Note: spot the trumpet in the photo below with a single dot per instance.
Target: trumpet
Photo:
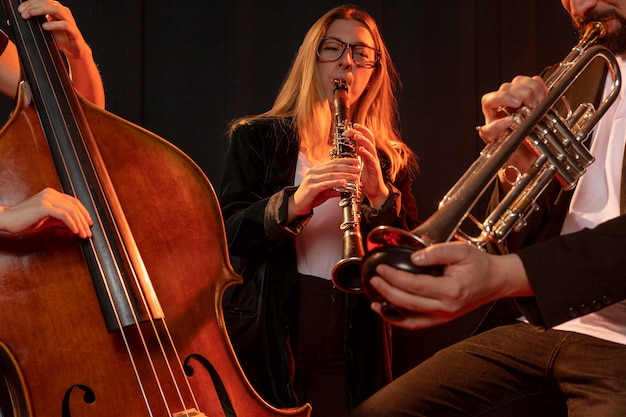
(346, 274)
(555, 139)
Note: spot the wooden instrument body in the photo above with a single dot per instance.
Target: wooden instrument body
(55, 345)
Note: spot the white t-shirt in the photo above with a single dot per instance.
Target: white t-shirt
(319, 245)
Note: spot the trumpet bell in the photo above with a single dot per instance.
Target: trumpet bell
(399, 257)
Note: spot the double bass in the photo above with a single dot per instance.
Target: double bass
(128, 322)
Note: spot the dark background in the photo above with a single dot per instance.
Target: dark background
(184, 69)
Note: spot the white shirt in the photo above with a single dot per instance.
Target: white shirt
(319, 245)
(596, 200)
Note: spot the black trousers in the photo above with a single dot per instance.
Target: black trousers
(511, 371)
(319, 349)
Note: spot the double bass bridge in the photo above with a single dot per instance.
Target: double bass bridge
(189, 413)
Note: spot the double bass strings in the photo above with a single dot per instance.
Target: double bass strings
(78, 183)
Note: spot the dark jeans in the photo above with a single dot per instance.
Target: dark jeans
(320, 358)
(511, 371)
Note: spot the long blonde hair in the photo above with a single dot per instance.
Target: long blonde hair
(302, 98)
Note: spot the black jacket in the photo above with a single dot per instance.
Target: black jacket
(261, 314)
(579, 273)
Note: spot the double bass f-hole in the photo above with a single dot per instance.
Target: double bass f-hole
(85, 328)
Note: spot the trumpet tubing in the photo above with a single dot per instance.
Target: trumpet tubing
(556, 140)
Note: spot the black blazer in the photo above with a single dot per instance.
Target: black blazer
(579, 273)
(261, 314)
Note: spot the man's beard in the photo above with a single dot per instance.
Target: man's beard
(615, 41)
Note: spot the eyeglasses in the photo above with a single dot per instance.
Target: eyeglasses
(331, 49)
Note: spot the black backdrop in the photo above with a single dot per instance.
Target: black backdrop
(184, 69)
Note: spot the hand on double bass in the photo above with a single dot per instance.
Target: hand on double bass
(48, 208)
(69, 39)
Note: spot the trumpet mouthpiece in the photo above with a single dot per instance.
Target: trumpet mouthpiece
(594, 30)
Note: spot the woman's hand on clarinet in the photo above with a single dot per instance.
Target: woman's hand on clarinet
(372, 180)
(320, 184)
(48, 208)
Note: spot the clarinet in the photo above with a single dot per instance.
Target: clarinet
(346, 274)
